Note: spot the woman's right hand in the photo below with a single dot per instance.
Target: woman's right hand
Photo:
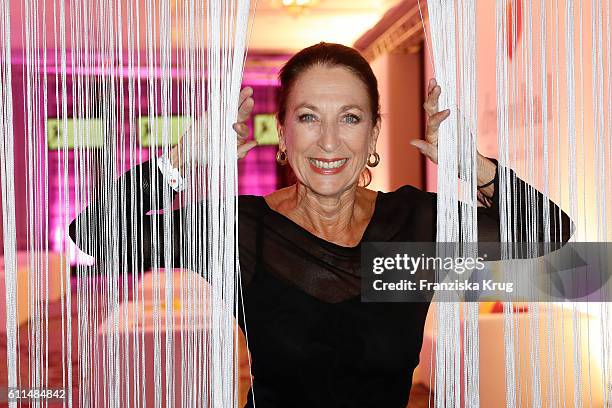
(189, 149)
(245, 108)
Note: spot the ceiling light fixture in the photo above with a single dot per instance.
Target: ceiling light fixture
(298, 7)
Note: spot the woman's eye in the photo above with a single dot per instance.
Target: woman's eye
(352, 119)
(307, 117)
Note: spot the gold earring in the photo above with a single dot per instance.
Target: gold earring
(281, 157)
(376, 159)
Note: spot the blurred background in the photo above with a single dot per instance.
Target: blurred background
(391, 36)
(388, 32)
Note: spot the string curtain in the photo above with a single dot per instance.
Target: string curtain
(107, 85)
(96, 77)
(553, 111)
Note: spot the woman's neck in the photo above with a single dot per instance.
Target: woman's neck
(325, 213)
(340, 219)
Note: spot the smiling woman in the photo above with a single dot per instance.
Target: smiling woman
(327, 131)
(328, 114)
(313, 342)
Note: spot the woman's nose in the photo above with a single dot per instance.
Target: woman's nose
(330, 138)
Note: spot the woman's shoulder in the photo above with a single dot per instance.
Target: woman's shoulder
(280, 200)
(403, 214)
(249, 205)
(407, 205)
(410, 195)
(249, 216)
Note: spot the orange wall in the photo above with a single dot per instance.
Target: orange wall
(400, 78)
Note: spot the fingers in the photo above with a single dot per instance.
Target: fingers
(245, 104)
(429, 146)
(245, 93)
(427, 149)
(435, 120)
(245, 108)
(242, 129)
(431, 104)
(245, 148)
(431, 85)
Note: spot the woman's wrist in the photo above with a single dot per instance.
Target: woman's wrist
(486, 174)
(170, 173)
(175, 159)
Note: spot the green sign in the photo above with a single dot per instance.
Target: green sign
(265, 132)
(84, 133)
(151, 130)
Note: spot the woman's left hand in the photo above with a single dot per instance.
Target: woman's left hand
(429, 146)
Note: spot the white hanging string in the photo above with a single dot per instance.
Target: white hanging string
(442, 23)
(606, 309)
(8, 195)
(543, 151)
(64, 195)
(97, 63)
(456, 156)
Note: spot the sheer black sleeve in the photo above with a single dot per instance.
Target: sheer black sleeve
(521, 220)
(526, 209)
(140, 240)
(131, 245)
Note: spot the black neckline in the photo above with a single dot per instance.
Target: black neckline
(324, 241)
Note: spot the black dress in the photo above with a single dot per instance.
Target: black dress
(312, 342)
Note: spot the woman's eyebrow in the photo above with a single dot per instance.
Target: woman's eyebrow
(314, 108)
(307, 106)
(349, 107)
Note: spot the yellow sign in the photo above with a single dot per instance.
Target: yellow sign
(265, 132)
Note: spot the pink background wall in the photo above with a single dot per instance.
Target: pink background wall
(257, 172)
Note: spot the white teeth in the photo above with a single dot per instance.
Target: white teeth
(328, 165)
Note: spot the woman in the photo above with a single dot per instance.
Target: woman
(313, 343)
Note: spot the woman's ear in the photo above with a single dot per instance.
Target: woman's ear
(281, 139)
(374, 136)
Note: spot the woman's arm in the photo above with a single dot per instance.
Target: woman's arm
(526, 220)
(526, 206)
(526, 211)
(138, 241)
(127, 216)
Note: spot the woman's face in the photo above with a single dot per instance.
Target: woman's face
(328, 132)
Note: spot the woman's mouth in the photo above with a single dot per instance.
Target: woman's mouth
(327, 166)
